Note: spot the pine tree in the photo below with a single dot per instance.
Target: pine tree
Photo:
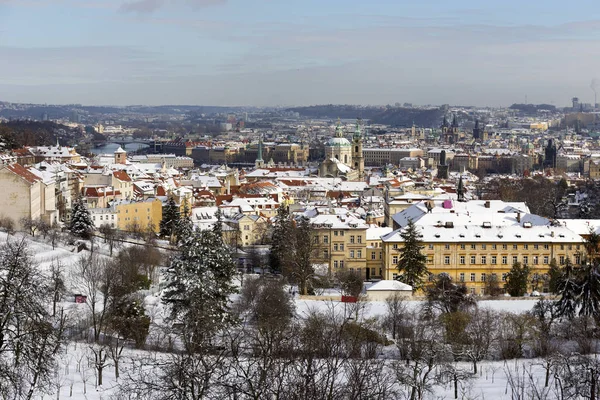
(412, 263)
(589, 291)
(554, 274)
(301, 243)
(184, 227)
(280, 240)
(170, 219)
(569, 290)
(81, 222)
(516, 280)
(199, 285)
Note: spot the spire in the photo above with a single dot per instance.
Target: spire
(357, 132)
(445, 122)
(259, 157)
(454, 121)
(338, 129)
(477, 123)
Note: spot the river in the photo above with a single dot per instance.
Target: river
(110, 148)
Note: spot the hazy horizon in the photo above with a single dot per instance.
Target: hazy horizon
(264, 53)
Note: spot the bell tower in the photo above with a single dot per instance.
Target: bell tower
(358, 160)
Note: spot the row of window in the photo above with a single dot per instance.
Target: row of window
(101, 217)
(493, 246)
(353, 239)
(494, 260)
(358, 254)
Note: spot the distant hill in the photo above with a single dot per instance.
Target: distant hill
(533, 108)
(394, 116)
(18, 133)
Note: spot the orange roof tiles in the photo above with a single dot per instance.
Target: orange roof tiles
(23, 172)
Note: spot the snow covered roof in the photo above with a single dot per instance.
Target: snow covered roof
(389, 285)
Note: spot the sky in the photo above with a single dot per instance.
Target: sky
(298, 52)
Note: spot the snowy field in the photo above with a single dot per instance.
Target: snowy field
(76, 379)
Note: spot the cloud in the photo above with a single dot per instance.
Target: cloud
(149, 6)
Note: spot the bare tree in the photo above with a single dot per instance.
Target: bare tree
(396, 314)
(91, 276)
(57, 281)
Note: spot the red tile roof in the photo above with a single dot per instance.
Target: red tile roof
(122, 176)
(23, 172)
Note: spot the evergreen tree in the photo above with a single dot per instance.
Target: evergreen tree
(589, 291)
(280, 240)
(170, 219)
(199, 283)
(516, 280)
(569, 290)
(412, 263)
(554, 274)
(81, 222)
(185, 227)
(301, 270)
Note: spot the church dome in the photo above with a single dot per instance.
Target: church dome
(338, 142)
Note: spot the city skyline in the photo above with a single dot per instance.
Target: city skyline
(264, 53)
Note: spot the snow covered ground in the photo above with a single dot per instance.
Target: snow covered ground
(76, 378)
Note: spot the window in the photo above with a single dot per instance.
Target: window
(515, 259)
(372, 255)
(577, 247)
(462, 246)
(483, 246)
(504, 277)
(395, 246)
(351, 253)
(473, 260)
(101, 218)
(316, 240)
(380, 255)
(335, 233)
(395, 260)
(472, 290)
(335, 264)
(446, 260)
(483, 277)
(351, 239)
(483, 259)
(447, 246)
(570, 247)
(526, 247)
(535, 260)
(494, 247)
(504, 260)
(430, 247)
(546, 246)
(359, 239)
(462, 260)
(341, 247)
(562, 260)
(429, 259)
(473, 246)
(341, 263)
(562, 246)
(472, 277)
(494, 276)
(341, 233)
(335, 247)
(504, 247)
(577, 259)
(359, 254)
(494, 260)
(525, 260)
(515, 247)
(325, 239)
(462, 276)
(325, 253)
(536, 247)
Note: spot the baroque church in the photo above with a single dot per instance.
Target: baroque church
(344, 159)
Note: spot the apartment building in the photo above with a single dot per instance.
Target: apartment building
(139, 215)
(474, 240)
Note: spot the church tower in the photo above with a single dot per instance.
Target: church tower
(358, 159)
(259, 163)
(120, 156)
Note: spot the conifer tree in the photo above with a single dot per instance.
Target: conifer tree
(184, 227)
(589, 291)
(81, 222)
(554, 274)
(412, 263)
(199, 285)
(517, 279)
(170, 219)
(280, 240)
(569, 290)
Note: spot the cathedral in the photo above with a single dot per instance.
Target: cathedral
(344, 159)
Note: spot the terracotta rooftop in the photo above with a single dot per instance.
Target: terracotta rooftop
(23, 172)
(122, 176)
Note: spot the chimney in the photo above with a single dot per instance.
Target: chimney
(487, 204)
(519, 217)
(552, 233)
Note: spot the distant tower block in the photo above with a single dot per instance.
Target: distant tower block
(120, 156)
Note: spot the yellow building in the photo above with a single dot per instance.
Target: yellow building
(474, 240)
(345, 242)
(252, 229)
(139, 215)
